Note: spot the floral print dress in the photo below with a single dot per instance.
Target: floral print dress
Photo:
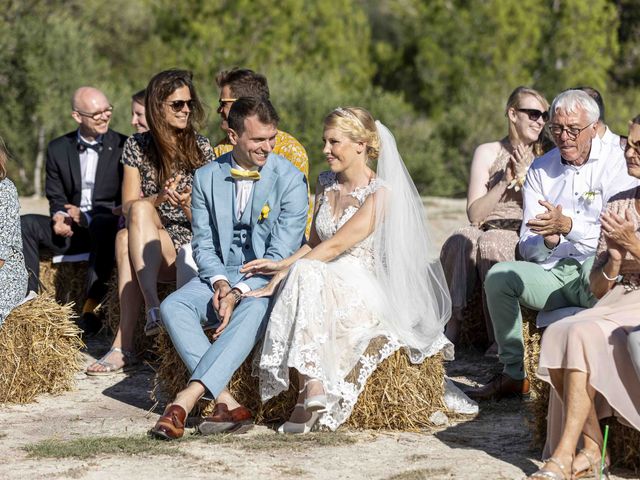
(13, 274)
(173, 219)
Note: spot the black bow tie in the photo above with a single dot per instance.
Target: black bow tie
(83, 146)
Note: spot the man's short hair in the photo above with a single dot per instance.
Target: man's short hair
(570, 101)
(595, 94)
(243, 82)
(246, 107)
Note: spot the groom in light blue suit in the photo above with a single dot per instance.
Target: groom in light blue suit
(248, 204)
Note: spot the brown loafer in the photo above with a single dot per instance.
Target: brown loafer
(170, 426)
(223, 420)
(500, 386)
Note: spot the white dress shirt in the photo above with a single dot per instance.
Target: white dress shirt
(582, 191)
(610, 137)
(243, 194)
(88, 167)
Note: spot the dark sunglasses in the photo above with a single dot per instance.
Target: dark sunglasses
(534, 114)
(178, 105)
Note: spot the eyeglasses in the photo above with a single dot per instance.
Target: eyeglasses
(572, 132)
(222, 101)
(534, 114)
(96, 115)
(178, 105)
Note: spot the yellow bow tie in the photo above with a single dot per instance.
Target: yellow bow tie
(245, 174)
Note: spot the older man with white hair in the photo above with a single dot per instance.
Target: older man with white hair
(564, 194)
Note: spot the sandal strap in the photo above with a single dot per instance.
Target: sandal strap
(127, 354)
(153, 314)
(308, 381)
(558, 464)
(590, 458)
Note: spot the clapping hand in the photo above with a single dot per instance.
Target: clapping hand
(550, 224)
(516, 169)
(619, 232)
(169, 193)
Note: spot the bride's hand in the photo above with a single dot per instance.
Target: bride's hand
(270, 287)
(262, 266)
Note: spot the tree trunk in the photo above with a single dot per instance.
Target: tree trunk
(37, 171)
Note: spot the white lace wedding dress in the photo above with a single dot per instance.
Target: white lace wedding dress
(327, 321)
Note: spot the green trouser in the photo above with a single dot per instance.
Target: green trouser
(511, 284)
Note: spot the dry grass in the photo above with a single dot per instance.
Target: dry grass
(66, 282)
(40, 350)
(90, 447)
(398, 395)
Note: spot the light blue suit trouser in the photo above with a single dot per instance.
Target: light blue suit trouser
(212, 364)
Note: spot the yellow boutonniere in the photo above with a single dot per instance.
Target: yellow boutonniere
(590, 196)
(264, 213)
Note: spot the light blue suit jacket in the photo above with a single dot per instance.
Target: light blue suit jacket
(281, 186)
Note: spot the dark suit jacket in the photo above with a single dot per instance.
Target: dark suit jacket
(64, 178)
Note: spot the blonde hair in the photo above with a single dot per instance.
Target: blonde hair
(514, 102)
(4, 158)
(357, 124)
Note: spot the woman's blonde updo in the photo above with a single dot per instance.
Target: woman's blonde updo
(357, 124)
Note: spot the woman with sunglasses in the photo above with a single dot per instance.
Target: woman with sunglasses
(494, 204)
(156, 199)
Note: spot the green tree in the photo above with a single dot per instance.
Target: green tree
(581, 45)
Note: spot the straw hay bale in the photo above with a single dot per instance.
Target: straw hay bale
(66, 282)
(398, 395)
(473, 329)
(624, 446)
(39, 350)
(539, 389)
(111, 308)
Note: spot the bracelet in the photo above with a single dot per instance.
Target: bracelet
(617, 278)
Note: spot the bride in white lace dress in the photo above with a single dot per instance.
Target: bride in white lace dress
(366, 284)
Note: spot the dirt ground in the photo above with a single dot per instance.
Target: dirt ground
(106, 410)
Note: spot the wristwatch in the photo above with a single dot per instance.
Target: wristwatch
(237, 294)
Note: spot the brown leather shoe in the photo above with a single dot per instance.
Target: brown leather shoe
(170, 426)
(500, 386)
(223, 420)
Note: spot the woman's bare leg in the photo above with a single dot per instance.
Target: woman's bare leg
(299, 414)
(151, 250)
(130, 299)
(577, 405)
(592, 439)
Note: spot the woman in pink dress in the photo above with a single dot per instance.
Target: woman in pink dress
(585, 357)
